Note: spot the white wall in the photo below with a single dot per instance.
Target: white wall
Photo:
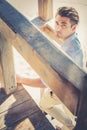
(84, 2)
(29, 8)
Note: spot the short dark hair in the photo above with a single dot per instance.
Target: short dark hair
(70, 13)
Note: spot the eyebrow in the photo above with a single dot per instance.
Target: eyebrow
(64, 23)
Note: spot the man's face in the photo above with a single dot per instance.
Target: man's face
(63, 27)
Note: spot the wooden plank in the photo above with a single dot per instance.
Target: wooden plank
(25, 125)
(55, 67)
(78, 70)
(7, 64)
(15, 114)
(57, 59)
(62, 89)
(1, 79)
(12, 117)
(3, 95)
(38, 122)
(82, 111)
(45, 9)
(14, 99)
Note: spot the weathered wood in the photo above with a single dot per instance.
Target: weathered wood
(7, 64)
(45, 9)
(17, 113)
(45, 72)
(3, 95)
(15, 99)
(25, 125)
(53, 65)
(82, 111)
(1, 76)
(40, 125)
(0, 73)
(59, 61)
(21, 109)
(55, 68)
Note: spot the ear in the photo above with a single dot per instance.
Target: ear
(74, 27)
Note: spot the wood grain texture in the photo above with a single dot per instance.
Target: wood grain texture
(45, 9)
(25, 125)
(7, 64)
(59, 61)
(19, 111)
(59, 72)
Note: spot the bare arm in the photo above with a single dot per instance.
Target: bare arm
(31, 82)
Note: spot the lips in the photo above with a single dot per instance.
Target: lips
(58, 34)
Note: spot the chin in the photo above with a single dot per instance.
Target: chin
(58, 36)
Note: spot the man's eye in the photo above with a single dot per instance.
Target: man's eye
(56, 22)
(64, 25)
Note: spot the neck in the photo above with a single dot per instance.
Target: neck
(68, 36)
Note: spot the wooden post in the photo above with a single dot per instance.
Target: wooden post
(7, 65)
(82, 110)
(58, 71)
(0, 69)
(45, 9)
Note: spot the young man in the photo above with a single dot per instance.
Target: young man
(66, 21)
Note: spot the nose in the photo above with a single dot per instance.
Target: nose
(58, 28)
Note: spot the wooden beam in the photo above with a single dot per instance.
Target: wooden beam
(45, 9)
(25, 125)
(82, 110)
(58, 85)
(62, 75)
(18, 111)
(1, 77)
(57, 59)
(7, 64)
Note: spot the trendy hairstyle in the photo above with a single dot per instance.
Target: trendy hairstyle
(70, 13)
